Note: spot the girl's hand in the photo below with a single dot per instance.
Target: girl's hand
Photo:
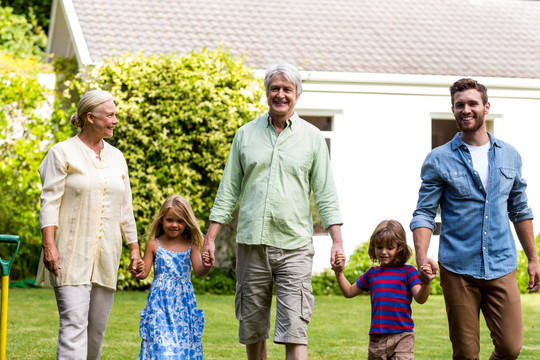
(140, 265)
(206, 259)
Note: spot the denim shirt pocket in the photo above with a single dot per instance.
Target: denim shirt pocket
(506, 180)
(458, 181)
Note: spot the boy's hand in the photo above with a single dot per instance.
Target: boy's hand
(427, 269)
(339, 260)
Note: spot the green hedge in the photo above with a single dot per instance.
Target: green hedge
(177, 119)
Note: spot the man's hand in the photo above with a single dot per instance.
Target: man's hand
(208, 250)
(427, 270)
(534, 277)
(337, 247)
(337, 258)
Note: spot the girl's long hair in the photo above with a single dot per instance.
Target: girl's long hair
(183, 210)
(390, 232)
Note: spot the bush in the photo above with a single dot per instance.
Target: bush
(177, 118)
(25, 135)
(19, 37)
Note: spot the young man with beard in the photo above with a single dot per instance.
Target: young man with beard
(476, 180)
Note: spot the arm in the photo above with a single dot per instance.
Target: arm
(326, 199)
(148, 259)
(225, 201)
(197, 262)
(421, 292)
(422, 238)
(53, 173)
(525, 234)
(209, 246)
(51, 259)
(346, 288)
(128, 226)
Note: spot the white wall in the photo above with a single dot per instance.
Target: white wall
(382, 133)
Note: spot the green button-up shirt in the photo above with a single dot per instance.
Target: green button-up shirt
(274, 176)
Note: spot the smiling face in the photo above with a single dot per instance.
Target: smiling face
(470, 111)
(103, 119)
(281, 96)
(173, 226)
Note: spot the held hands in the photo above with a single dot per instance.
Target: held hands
(140, 265)
(339, 263)
(139, 269)
(136, 266)
(426, 268)
(427, 271)
(207, 262)
(208, 253)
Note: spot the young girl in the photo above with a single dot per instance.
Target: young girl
(171, 325)
(392, 286)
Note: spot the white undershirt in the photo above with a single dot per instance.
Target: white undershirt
(480, 161)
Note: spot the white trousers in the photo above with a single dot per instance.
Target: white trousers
(84, 311)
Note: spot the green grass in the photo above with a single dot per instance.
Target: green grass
(338, 328)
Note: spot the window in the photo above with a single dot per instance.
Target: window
(325, 124)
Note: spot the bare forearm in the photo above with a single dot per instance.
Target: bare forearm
(47, 235)
(423, 294)
(335, 234)
(421, 238)
(525, 234)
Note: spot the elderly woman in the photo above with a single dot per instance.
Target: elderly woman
(85, 210)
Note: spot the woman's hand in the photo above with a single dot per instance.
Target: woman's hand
(51, 258)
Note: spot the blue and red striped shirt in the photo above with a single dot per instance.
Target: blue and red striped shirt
(391, 297)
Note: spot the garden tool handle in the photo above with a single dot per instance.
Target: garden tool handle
(6, 264)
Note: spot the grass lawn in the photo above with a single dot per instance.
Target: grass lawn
(338, 328)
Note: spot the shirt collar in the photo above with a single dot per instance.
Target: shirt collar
(457, 142)
(290, 122)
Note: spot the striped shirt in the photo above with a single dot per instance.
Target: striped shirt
(391, 297)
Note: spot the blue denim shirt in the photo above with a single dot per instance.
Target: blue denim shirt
(475, 238)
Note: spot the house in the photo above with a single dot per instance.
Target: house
(376, 76)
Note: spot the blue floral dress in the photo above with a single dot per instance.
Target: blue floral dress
(171, 325)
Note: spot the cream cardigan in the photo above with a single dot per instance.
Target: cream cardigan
(89, 202)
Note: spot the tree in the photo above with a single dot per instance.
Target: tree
(23, 110)
(20, 37)
(36, 11)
